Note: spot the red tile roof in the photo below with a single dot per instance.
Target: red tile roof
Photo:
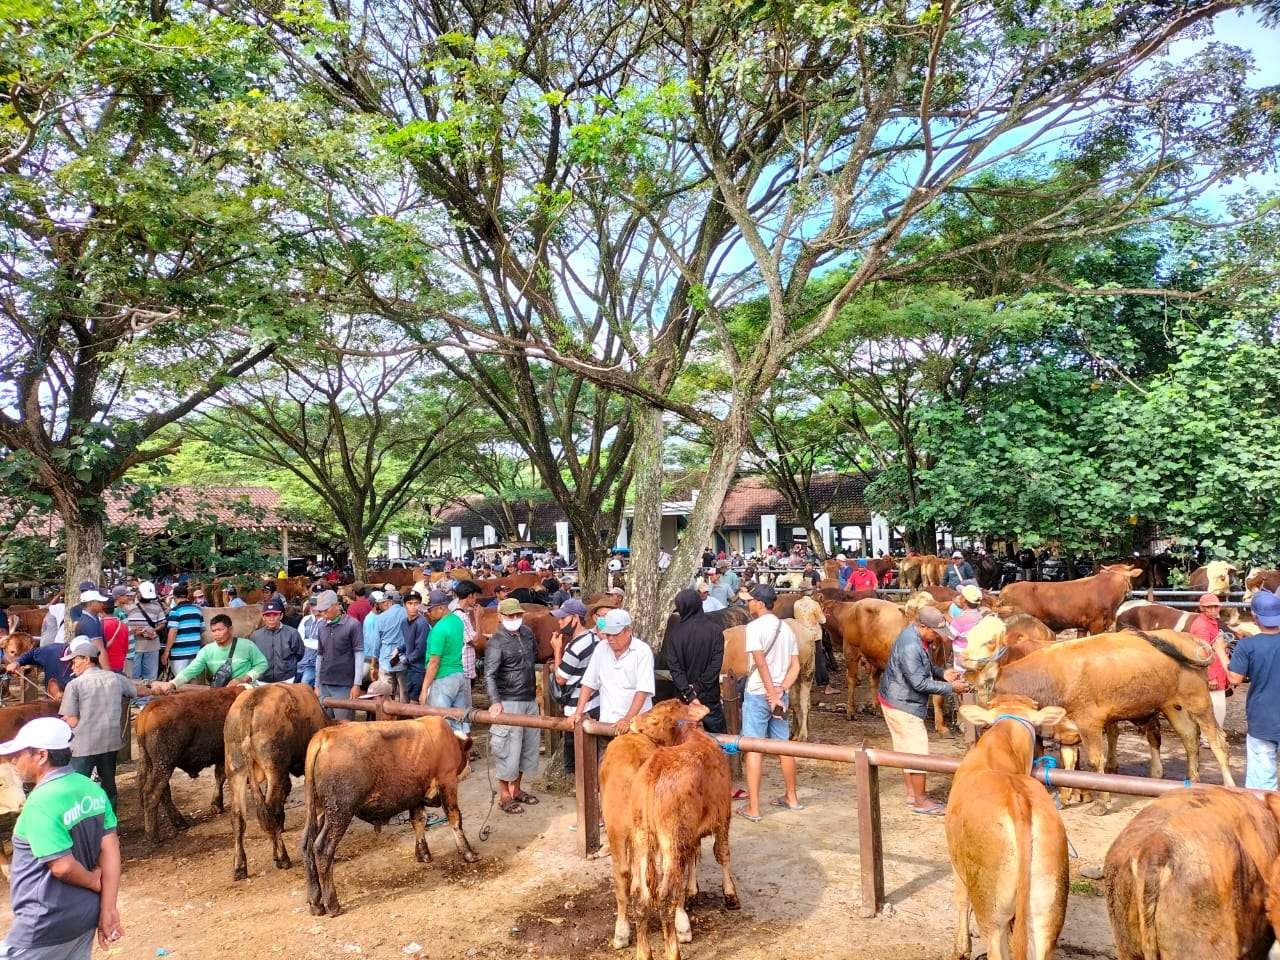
(840, 494)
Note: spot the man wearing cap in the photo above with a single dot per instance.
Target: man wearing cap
(862, 577)
(621, 671)
(909, 680)
(186, 632)
(717, 588)
(444, 683)
(340, 653)
(695, 653)
(65, 873)
(146, 624)
(247, 661)
(774, 666)
(958, 571)
(57, 672)
(1256, 661)
(388, 643)
(579, 646)
(510, 659)
(85, 587)
(279, 643)
(709, 603)
(92, 705)
(93, 607)
(1207, 627)
(233, 596)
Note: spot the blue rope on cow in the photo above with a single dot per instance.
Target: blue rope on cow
(731, 747)
(1046, 764)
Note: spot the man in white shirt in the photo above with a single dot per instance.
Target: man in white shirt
(621, 671)
(709, 603)
(774, 667)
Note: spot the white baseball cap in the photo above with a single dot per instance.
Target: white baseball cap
(377, 596)
(146, 590)
(88, 596)
(42, 733)
(614, 622)
(81, 646)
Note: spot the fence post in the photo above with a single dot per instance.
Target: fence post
(554, 738)
(379, 710)
(732, 720)
(870, 843)
(586, 788)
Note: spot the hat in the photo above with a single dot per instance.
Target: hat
(862, 561)
(437, 598)
(42, 733)
(80, 647)
(502, 588)
(389, 588)
(147, 590)
(957, 555)
(573, 607)
(971, 593)
(700, 585)
(510, 607)
(380, 688)
(614, 622)
(230, 588)
(1210, 600)
(120, 591)
(357, 585)
(932, 618)
(326, 600)
(765, 594)
(88, 596)
(1266, 608)
(377, 596)
(87, 585)
(617, 591)
(841, 556)
(273, 606)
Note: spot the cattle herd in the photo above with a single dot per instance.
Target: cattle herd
(1191, 876)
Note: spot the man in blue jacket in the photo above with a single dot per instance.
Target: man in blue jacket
(909, 680)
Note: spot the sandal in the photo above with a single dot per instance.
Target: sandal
(527, 798)
(933, 810)
(742, 812)
(511, 806)
(782, 802)
(738, 794)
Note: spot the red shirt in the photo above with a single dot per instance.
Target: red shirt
(1207, 629)
(524, 566)
(116, 637)
(360, 609)
(863, 578)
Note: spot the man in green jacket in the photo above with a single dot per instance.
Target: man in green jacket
(247, 661)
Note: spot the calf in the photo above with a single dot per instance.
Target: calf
(680, 795)
(1187, 879)
(266, 736)
(374, 771)
(618, 771)
(1006, 839)
(183, 731)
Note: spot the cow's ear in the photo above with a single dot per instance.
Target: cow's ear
(978, 716)
(1049, 716)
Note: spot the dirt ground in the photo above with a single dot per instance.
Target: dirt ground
(530, 895)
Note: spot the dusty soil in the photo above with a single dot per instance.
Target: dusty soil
(530, 895)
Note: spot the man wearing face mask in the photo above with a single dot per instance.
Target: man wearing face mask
(340, 653)
(445, 684)
(509, 661)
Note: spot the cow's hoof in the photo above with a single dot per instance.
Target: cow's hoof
(471, 856)
(334, 910)
(731, 902)
(620, 943)
(684, 936)
(242, 873)
(317, 910)
(284, 863)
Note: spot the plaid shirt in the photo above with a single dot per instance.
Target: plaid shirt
(468, 645)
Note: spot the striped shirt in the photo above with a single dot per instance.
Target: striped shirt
(189, 621)
(573, 665)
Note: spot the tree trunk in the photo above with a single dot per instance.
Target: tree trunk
(359, 555)
(85, 534)
(592, 557)
(815, 541)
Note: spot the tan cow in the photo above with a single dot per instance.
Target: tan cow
(1188, 878)
(244, 620)
(1007, 842)
(866, 630)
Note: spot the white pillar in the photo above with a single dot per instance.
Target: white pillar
(490, 534)
(622, 534)
(523, 530)
(455, 542)
(768, 531)
(393, 546)
(879, 534)
(562, 538)
(284, 546)
(823, 522)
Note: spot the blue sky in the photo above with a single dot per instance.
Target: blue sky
(1243, 29)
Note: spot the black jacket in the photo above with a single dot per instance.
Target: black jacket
(509, 662)
(695, 650)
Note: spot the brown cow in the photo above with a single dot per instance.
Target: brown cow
(27, 619)
(1023, 635)
(182, 731)
(1260, 579)
(401, 577)
(680, 795)
(374, 771)
(512, 581)
(266, 736)
(1144, 615)
(1087, 604)
(1007, 842)
(865, 629)
(244, 620)
(618, 771)
(1213, 577)
(1103, 679)
(12, 718)
(1187, 878)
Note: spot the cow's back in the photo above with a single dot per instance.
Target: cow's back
(275, 720)
(185, 730)
(13, 718)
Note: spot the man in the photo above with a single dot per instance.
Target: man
(93, 607)
(500, 592)
(198, 597)
(340, 657)
(909, 680)
(555, 593)
(709, 603)
(369, 633)
(57, 672)
(233, 596)
(810, 574)
(309, 630)
(92, 705)
(620, 671)
(51, 630)
(862, 577)
(958, 572)
(444, 683)
(695, 653)
(510, 659)
(414, 631)
(85, 587)
(467, 596)
(717, 588)
(247, 661)
(360, 607)
(579, 645)
(1256, 660)
(774, 667)
(1207, 627)
(279, 643)
(386, 649)
(844, 570)
(146, 623)
(730, 579)
(65, 873)
(186, 632)
(525, 565)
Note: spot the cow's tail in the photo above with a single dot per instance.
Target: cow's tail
(1021, 943)
(1169, 650)
(1149, 877)
(256, 775)
(312, 815)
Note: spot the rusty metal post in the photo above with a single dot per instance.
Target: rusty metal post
(870, 841)
(732, 720)
(554, 741)
(586, 787)
(125, 753)
(380, 708)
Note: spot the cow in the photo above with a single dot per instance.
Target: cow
(1260, 579)
(619, 769)
(1188, 877)
(399, 577)
(244, 620)
(806, 626)
(678, 796)
(910, 573)
(1088, 604)
(374, 771)
(1103, 679)
(14, 646)
(488, 587)
(27, 619)
(1213, 577)
(12, 718)
(1007, 842)
(266, 735)
(1023, 635)
(180, 732)
(1144, 615)
(865, 629)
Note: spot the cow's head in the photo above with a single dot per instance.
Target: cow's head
(1008, 704)
(464, 761)
(16, 644)
(1127, 569)
(984, 649)
(662, 724)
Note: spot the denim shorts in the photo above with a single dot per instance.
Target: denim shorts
(759, 722)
